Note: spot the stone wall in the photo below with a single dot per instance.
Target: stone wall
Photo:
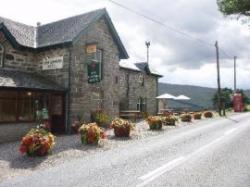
(13, 132)
(60, 76)
(21, 60)
(132, 88)
(83, 99)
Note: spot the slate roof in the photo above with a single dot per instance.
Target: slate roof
(128, 65)
(59, 32)
(18, 79)
(144, 67)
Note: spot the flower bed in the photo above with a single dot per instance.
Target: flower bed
(197, 115)
(186, 117)
(169, 120)
(121, 127)
(208, 114)
(91, 133)
(155, 122)
(38, 142)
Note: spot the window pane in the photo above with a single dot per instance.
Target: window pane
(8, 106)
(26, 105)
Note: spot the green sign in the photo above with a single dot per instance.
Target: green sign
(93, 72)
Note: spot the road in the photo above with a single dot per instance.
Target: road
(210, 153)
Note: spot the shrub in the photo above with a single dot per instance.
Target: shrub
(186, 117)
(155, 122)
(91, 133)
(121, 127)
(208, 114)
(100, 118)
(169, 120)
(197, 115)
(37, 142)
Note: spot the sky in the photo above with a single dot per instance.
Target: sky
(180, 58)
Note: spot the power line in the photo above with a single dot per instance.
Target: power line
(167, 26)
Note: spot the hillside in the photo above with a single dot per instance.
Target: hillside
(200, 96)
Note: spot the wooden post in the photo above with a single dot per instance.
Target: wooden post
(218, 77)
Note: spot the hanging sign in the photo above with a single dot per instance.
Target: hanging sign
(91, 48)
(53, 63)
(93, 72)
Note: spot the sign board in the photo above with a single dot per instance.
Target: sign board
(238, 103)
(53, 63)
(91, 48)
(93, 72)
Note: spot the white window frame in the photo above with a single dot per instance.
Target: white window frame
(99, 59)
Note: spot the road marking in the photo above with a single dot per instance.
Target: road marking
(178, 161)
(230, 131)
(164, 168)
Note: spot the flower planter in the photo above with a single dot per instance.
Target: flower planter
(37, 142)
(169, 120)
(122, 131)
(157, 126)
(186, 118)
(155, 122)
(122, 128)
(208, 114)
(91, 134)
(197, 116)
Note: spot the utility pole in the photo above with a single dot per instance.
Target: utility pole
(218, 77)
(147, 44)
(235, 86)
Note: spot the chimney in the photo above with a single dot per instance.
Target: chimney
(38, 24)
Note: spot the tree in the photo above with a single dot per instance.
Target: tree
(226, 96)
(230, 7)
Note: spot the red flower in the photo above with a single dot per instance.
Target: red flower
(23, 149)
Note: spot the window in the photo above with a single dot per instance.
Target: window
(8, 106)
(1, 55)
(17, 106)
(98, 59)
(142, 104)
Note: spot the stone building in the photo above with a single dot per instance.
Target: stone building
(138, 87)
(61, 71)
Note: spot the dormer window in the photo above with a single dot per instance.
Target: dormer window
(1, 55)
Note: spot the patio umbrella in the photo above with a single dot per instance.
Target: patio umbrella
(166, 96)
(182, 97)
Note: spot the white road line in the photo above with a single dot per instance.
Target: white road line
(176, 162)
(165, 167)
(230, 131)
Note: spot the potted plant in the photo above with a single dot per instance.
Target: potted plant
(169, 120)
(208, 114)
(37, 142)
(186, 117)
(197, 115)
(155, 122)
(91, 134)
(75, 126)
(100, 117)
(122, 128)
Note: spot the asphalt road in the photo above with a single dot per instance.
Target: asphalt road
(209, 153)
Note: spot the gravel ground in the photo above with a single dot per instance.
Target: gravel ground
(67, 147)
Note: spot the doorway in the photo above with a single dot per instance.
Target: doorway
(57, 113)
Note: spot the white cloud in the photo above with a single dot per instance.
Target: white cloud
(181, 59)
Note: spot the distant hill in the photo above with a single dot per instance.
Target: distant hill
(201, 97)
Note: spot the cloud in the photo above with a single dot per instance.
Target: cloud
(182, 59)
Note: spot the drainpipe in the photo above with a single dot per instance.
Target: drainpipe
(68, 95)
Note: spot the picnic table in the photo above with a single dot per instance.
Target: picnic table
(135, 114)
